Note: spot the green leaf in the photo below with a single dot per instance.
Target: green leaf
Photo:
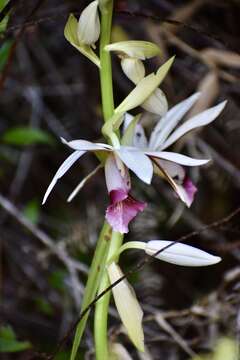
(4, 53)
(9, 343)
(31, 211)
(57, 278)
(27, 136)
(44, 306)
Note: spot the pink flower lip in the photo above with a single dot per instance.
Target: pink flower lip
(190, 189)
(118, 195)
(120, 213)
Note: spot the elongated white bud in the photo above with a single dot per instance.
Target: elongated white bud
(156, 103)
(89, 25)
(133, 69)
(180, 254)
(128, 307)
(135, 48)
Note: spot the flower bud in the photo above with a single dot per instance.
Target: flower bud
(180, 254)
(144, 88)
(156, 103)
(89, 25)
(133, 69)
(71, 34)
(128, 307)
(135, 48)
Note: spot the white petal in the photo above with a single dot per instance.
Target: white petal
(177, 158)
(180, 254)
(167, 123)
(127, 305)
(62, 170)
(204, 118)
(82, 183)
(86, 145)
(138, 162)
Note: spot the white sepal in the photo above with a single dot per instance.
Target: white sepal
(62, 170)
(88, 30)
(177, 158)
(128, 307)
(135, 48)
(167, 123)
(204, 118)
(180, 254)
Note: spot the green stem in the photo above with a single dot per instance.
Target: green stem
(101, 311)
(139, 245)
(95, 274)
(105, 60)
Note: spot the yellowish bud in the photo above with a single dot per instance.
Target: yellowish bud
(144, 88)
(135, 48)
(128, 307)
(70, 33)
(156, 103)
(88, 30)
(133, 69)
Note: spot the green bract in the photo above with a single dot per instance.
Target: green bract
(71, 34)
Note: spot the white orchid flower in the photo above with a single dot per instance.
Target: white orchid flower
(123, 207)
(169, 164)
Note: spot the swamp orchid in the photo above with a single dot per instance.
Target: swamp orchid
(171, 165)
(123, 207)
